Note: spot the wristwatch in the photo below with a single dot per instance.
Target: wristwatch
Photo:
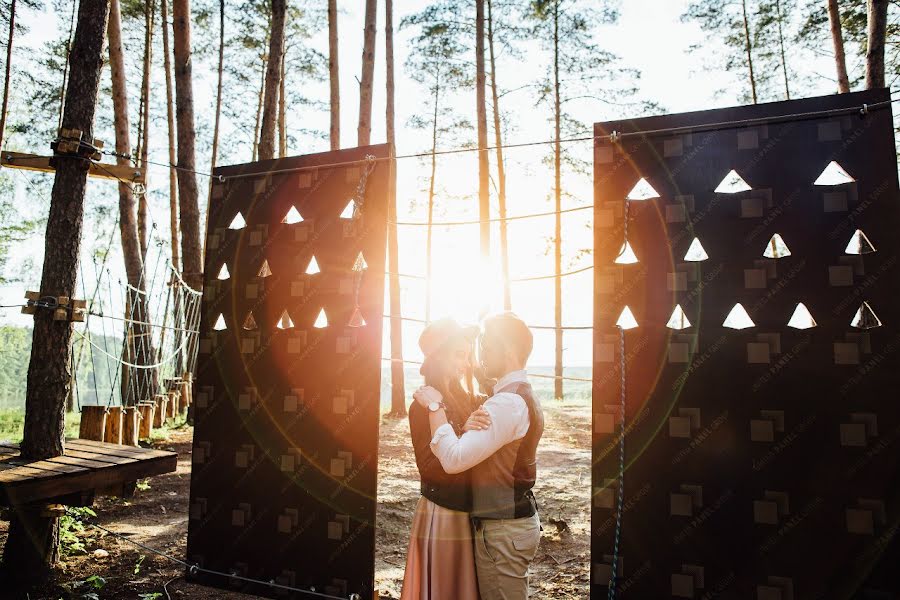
(435, 406)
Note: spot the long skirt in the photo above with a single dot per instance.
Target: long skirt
(440, 564)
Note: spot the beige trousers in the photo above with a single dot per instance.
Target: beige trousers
(503, 550)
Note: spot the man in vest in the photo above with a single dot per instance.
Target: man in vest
(502, 459)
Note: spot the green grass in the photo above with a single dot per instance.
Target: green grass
(12, 420)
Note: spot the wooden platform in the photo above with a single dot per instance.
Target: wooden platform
(88, 468)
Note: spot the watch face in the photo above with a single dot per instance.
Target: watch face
(434, 406)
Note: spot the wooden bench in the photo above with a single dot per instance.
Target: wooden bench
(87, 469)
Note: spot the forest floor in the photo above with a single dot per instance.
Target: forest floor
(157, 517)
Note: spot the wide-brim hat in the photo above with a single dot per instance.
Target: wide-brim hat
(439, 333)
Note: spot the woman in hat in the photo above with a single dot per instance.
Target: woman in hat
(440, 564)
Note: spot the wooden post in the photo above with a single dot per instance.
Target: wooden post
(185, 389)
(159, 416)
(147, 410)
(172, 411)
(130, 425)
(93, 423)
(114, 420)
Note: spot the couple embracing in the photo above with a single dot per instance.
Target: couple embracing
(476, 528)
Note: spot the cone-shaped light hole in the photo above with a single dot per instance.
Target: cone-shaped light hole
(313, 267)
(834, 174)
(678, 320)
(356, 319)
(696, 252)
(250, 322)
(626, 255)
(626, 319)
(802, 319)
(284, 321)
(223, 273)
(220, 323)
(348, 211)
(738, 318)
(238, 222)
(642, 190)
(293, 216)
(360, 263)
(776, 248)
(264, 270)
(859, 244)
(732, 184)
(321, 320)
(865, 318)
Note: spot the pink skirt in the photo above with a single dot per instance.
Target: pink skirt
(440, 564)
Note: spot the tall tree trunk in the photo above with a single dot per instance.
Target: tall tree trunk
(364, 131)
(187, 179)
(128, 227)
(32, 544)
(259, 108)
(65, 77)
(747, 45)
(9, 47)
(484, 197)
(429, 228)
(144, 125)
(837, 38)
(877, 19)
(333, 76)
(557, 193)
(784, 66)
(398, 387)
(273, 75)
(282, 109)
(173, 184)
(501, 167)
(215, 142)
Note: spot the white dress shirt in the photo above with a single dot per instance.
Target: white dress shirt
(509, 422)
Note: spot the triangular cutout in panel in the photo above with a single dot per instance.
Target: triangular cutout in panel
(264, 270)
(859, 244)
(642, 190)
(678, 320)
(220, 323)
(292, 216)
(356, 319)
(284, 321)
(626, 319)
(695, 252)
(732, 184)
(626, 255)
(865, 318)
(360, 263)
(802, 319)
(223, 273)
(738, 318)
(250, 322)
(321, 320)
(834, 174)
(348, 210)
(776, 248)
(313, 267)
(238, 222)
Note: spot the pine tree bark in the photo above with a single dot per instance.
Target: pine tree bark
(364, 131)
(259, 108)
(9, 47)
(273, 75)
(187, 180)
(877, 21)
(215, 142)
(128, 226)
(784, 66)
(747, 46)
(333, 76)
(484, 198)
(398, 384)
(429, 229)
(32, 543)
(837, 39)
(501, 167)
(282, 109)
(557, 193)
(144, 122)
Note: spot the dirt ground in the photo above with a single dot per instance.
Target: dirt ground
(157, 517)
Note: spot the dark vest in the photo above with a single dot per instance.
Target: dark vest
(502, 483)
(445, 490)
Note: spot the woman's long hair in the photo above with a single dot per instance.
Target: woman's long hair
(440, 374)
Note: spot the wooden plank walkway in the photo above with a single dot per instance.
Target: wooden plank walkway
(87, 467)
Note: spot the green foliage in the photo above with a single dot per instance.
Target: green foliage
(71, 533)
